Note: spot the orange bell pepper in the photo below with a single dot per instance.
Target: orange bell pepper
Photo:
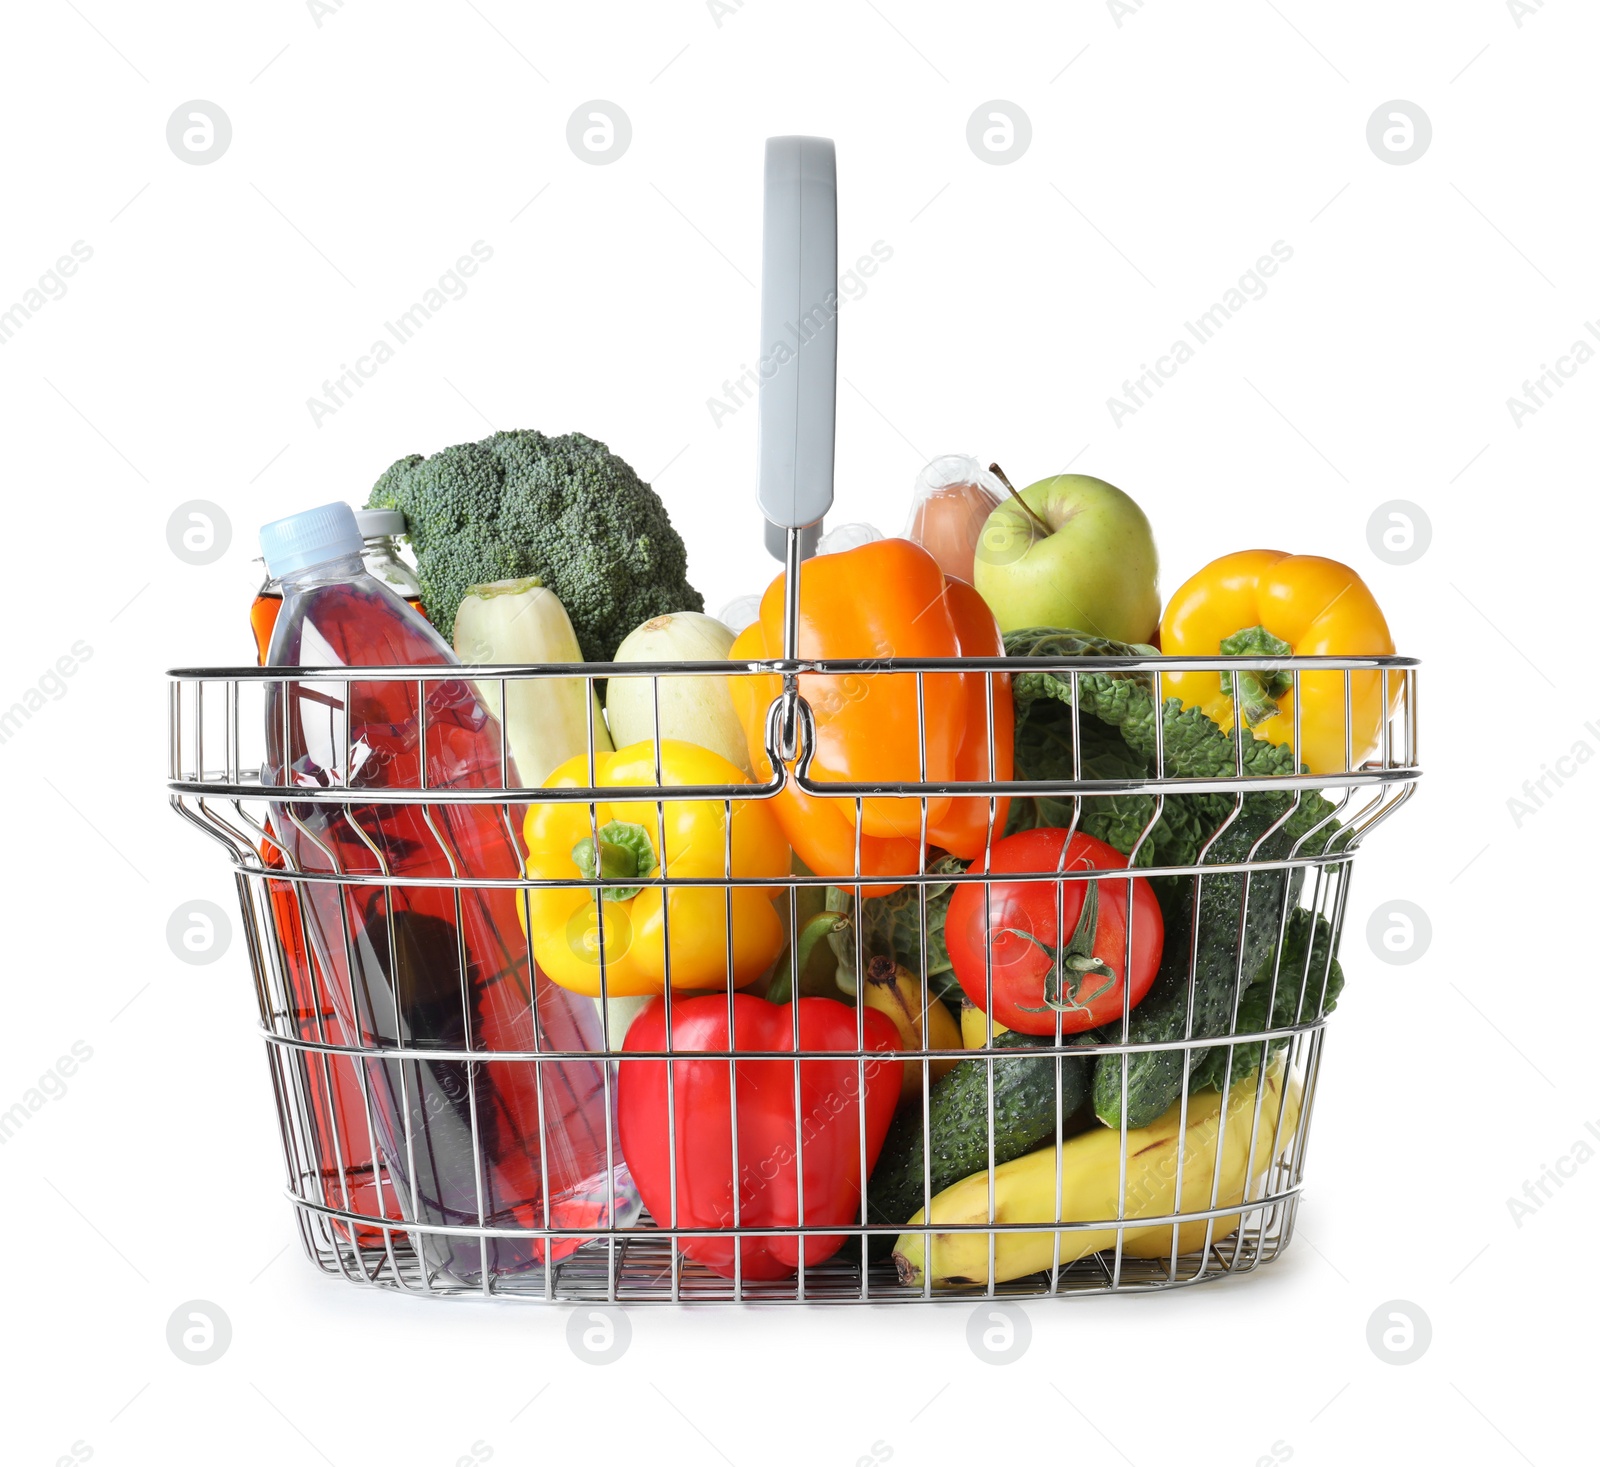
(1265, 603)
(885, 599)
(964, 831)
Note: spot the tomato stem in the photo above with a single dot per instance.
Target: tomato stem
(1075, 961)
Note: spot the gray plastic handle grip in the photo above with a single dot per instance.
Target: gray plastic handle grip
(799, 335)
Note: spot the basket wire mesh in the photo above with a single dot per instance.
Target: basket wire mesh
(351, 1151)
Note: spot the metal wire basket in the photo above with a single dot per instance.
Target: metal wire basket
(397, 1133)
(356, 1216)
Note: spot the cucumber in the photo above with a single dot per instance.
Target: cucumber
(1303, 980)
(958, 1125)
(1232, 942)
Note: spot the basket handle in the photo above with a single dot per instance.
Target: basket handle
(799, 339)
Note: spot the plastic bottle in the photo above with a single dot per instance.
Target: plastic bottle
(954, 498)
(346, 1167)
(379, 553)
(420, 967)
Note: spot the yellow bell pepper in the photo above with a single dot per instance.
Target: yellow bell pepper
(644, 924)
(1264, 603)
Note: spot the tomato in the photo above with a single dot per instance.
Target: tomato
(1040, 966)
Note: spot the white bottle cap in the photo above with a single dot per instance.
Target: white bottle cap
(380, 522)
(740, 613)
(847, 537)
(311, 537)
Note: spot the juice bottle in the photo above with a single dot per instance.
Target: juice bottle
(347, 1170)
(379, 553)
(414, 966)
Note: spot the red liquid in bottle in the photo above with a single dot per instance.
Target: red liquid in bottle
(264, 616)
(345, 1164)
(424, 967)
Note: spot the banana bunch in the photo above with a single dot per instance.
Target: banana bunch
(975, 1026)
(1025, 1189)
(895, 990)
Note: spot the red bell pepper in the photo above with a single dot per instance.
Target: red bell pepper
(829, 1132)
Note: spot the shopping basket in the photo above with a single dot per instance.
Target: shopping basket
(1127, 1205)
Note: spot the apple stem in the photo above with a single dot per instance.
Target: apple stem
(1000, 474)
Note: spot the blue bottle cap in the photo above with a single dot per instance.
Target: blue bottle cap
(311, 537)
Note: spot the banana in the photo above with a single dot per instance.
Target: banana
(974, 1027)
(895, 991)
(1025, 1189)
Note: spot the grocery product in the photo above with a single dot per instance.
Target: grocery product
(953, 499)
(895, 992)
(1264, 603)
(977, 1026)
(381, 530)
(379, 554)
(1226, 1147)
(1037, 952)
(566, 510)
(884, 599)
(1071, 551)
(417, 965)
(547, 720)
(633, 937)
(820, 1106)
(697, 710)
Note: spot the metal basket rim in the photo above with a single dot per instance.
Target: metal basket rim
(429, 672)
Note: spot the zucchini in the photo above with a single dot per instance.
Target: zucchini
(698, 710)
(547, 720)
(958, 1124)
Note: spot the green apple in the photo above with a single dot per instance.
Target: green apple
(1094, 571)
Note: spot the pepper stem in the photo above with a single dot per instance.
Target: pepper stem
(782, 987)
(1259, 689)
(622, 853)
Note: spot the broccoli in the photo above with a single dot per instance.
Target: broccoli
(566, 510)
(1232, 919)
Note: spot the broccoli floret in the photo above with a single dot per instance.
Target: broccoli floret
(566, 510)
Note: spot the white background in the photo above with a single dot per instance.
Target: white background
(1169, 151)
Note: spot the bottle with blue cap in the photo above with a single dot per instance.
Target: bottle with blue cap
(412, 966)
(381, 530)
